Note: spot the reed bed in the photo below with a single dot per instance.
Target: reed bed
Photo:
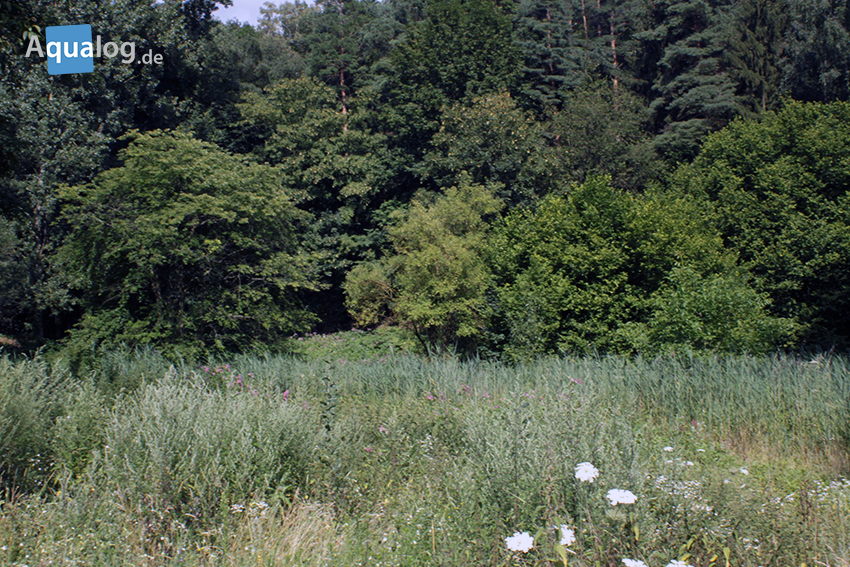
(405, 460)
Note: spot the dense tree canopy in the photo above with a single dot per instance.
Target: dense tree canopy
(779, 190)
(186, 245)
(634, 175)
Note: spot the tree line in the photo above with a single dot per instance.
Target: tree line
(512, 179)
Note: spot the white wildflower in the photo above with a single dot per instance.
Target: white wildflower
(677, 563)
(617, 496)
(634, 563)
(568, 536)
(586, 472)
(520, 542)
(668, 449)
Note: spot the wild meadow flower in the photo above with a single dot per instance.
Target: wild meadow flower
(568, 536)
(634, 563)
(677, 563)
(668, 449)
(586, 472)
(617, 496)
(520, 542)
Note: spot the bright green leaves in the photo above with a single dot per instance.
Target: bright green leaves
(436, 280)
(188, 245)
(779, 189)
(714, 311)
(587, 272)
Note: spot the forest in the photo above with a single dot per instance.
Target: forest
(421, 283)
(499, 179)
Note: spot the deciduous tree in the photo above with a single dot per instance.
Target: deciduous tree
(185, 247)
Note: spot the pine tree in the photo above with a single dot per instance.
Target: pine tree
(546, 33)
(818, 64)
(755, 48)
(696, 92)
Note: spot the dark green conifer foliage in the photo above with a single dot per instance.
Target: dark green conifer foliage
(818, 64)
(552, 56)
(756, 47)
(697, 94)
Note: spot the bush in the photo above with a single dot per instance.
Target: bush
(778, 189)
(577, 273)
(720, 312)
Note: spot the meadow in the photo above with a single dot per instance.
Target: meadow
(346, 458)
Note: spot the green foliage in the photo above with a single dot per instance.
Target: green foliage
(330, 158)
(15, 301)
(553, 59)
(756, 50)
(578, 273)
(285, 19)
(370, 292)
(336, 163)
(343, 40)
(54, 140)
(719, 312)
(193, 452)
(604, 131)
(357, 103)
(697, 93)
(355, 345)
(779, 189)
(436, 278)
(494, 142)
(238, 59)
(80, 430)
(18, 25)
(186, 247)
(442, 460)
(818, 54)
(31, 398)
(461, 48)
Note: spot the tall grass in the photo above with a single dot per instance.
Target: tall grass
(408, 461)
